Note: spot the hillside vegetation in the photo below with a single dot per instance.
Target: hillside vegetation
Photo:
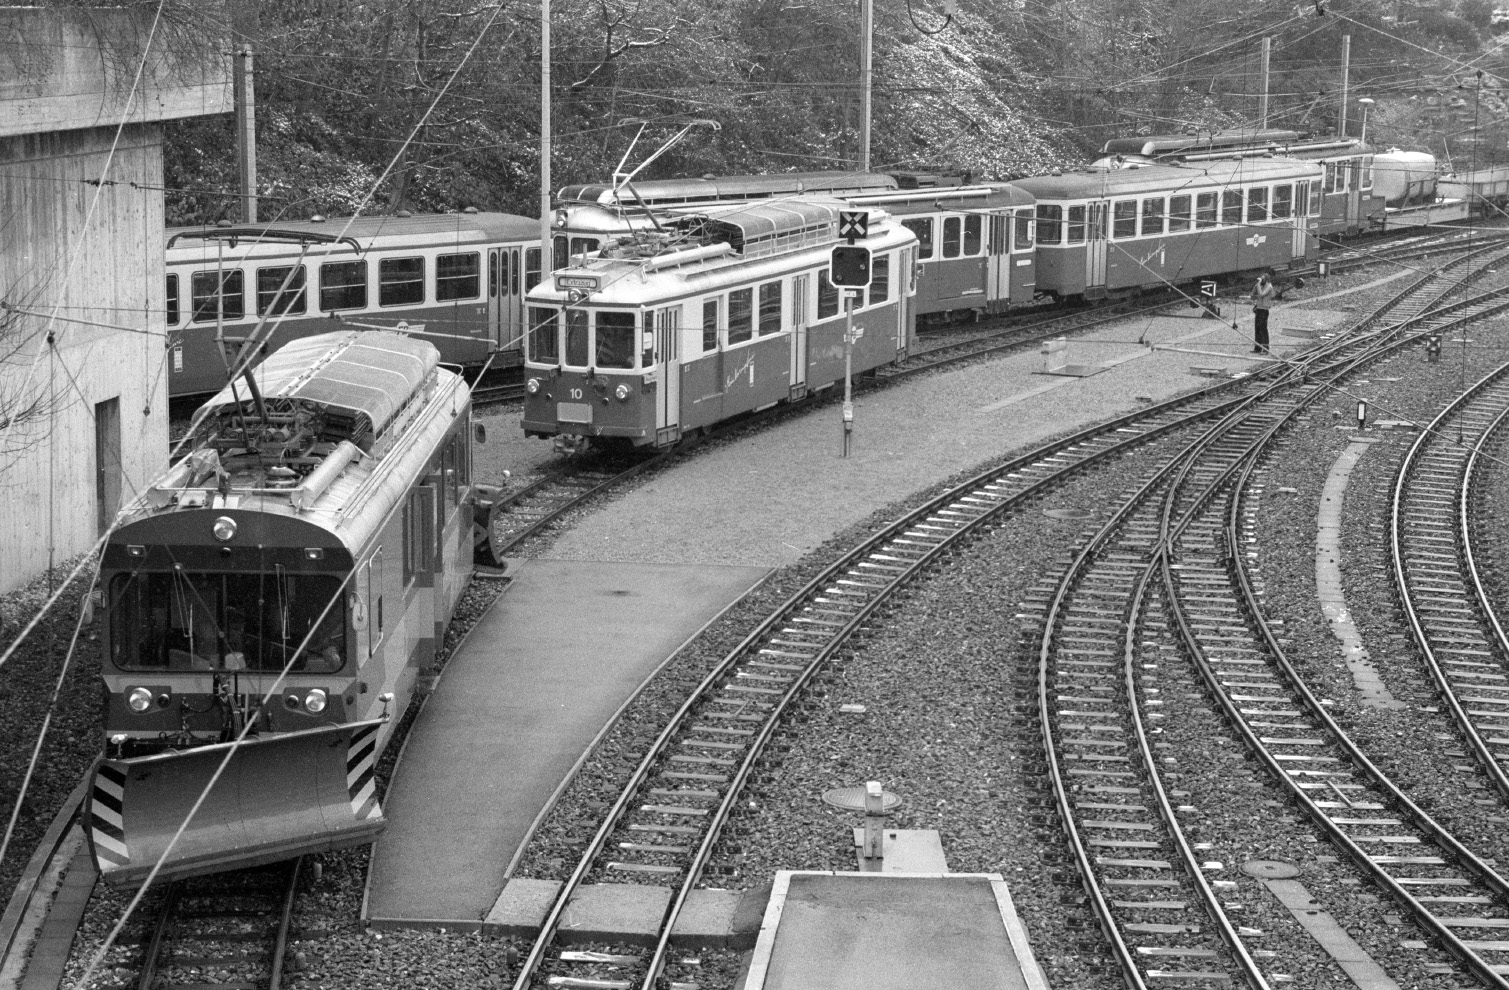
(1002, 88)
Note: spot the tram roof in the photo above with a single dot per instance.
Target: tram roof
(1169, 144)
(372, 231)
(369, 375)
(727, 187)
(1171, 178)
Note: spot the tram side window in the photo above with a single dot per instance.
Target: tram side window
(1205, 210)
(1049, 223)
(1283, 202)
(923, 228)
(451, 470)
(544, 341)
(1336, 177)
(740, 315)
(1178, 214)
(458, 276)
(230, 299)
(560, 255)
(827, 296)
(1124, 219)
(343, 285)
(1024, 225)
(709, 325)
(1367, 173)
(1315, 197)
(615, 340)
(952, 235)
(1257, 204)
(400, 281)
(576, 338)
(418, 535)
(531, 268)
(172, 300)
(770, 308)
(880, 278)
(1152, 216)
(1231, 207)
(272, 295)
(374, 603)
(1076, 231)
(973, 227)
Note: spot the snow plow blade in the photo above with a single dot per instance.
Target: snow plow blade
(279, 797)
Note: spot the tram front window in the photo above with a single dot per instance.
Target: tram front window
(229, 622)
(615, 340)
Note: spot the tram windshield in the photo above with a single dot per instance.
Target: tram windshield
(185, 621)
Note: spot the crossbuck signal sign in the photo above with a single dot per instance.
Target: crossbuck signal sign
(853, 225)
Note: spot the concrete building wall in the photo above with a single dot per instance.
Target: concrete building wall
(81, 276)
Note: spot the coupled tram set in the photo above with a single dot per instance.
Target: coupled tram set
(269, 603)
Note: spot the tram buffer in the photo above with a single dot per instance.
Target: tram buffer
(850, 269)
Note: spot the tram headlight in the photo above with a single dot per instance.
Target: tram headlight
(314, 701)
(224, 528)
(140, 699)
(622, 392)
(532, 386)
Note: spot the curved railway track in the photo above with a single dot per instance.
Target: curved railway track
(1126, 838)
(670, 816)
(1450, 614)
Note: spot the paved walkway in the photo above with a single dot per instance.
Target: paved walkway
(790, 479)
(521, 700)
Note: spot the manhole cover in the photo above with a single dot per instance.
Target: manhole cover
(853, 799)
(1068, 513)
(1269, 869)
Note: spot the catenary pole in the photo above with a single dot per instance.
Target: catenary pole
(1262, 112)
(1346, 67)
(866, 60)
(546, 265)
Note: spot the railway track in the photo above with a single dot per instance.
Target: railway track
(670, 817)
(1451, 616)
(222, 932)
(1122, 827)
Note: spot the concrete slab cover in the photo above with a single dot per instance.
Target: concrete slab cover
(1328, 584)
(1325, 929)
(881, 931)
(523, 696)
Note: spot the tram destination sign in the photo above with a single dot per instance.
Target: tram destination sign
(563, 282)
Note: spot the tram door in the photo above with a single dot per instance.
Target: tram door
(1354, 194)
(505, 298)
(1301, 208)
(1095, 244)
(799, 335)
(668, 360)
(998, 267)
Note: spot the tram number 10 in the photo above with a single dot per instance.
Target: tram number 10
(576, 393)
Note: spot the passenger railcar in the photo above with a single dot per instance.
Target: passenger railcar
(975, 245)
(730, 311)
(1104, 232)
(459, 279)
(291, 574)
(1349, 202)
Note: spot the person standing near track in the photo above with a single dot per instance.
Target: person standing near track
(1263, 295)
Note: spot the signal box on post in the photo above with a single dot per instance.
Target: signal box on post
(851, 266)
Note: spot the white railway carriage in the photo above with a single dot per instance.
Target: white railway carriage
(321, 525)
(646, 342)
(460, 278)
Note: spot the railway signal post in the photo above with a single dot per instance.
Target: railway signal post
(850, 270)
